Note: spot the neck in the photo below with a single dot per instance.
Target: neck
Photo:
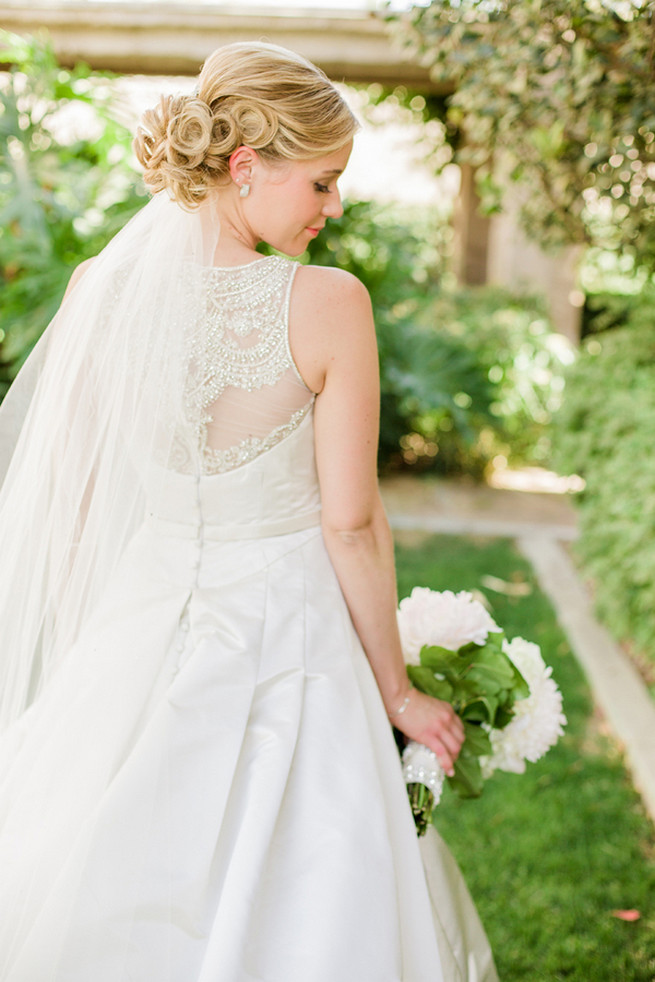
(237, 241)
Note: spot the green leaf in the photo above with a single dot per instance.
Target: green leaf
(469, 648)
(520, 688)
(441, 660)
(486, 678)
(492, 672)
(502, 718)
(424, 680)
(493, 656)
(467, 781)
(476, 742)
(483, 709)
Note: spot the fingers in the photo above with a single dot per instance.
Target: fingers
(444, 758)
(435, 724)
(448, 727)
(451, 742)
(447, 751)
(447, 737)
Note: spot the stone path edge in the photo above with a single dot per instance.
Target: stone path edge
(617, 687)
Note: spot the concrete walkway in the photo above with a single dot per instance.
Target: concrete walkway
(541, 524)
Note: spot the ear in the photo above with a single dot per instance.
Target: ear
(241, 164)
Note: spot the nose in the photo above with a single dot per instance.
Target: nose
(333, 208)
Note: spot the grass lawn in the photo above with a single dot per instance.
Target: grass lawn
(550, 854)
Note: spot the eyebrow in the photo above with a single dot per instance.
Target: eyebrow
(326, 173)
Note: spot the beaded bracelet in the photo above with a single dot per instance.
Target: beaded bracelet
(399, 712)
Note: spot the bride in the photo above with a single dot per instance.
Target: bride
(200, 659)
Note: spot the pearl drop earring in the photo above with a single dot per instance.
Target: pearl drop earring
(244, 190)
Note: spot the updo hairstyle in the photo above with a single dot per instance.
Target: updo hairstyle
(253, 94)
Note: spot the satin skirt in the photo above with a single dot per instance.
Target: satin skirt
(208, 791)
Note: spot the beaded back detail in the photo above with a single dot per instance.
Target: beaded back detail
(244, 393)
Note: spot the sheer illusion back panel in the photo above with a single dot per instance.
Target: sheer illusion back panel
(244, 392)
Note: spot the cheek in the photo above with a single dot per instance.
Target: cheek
(300, 200)
(286, 206)
(291, 208)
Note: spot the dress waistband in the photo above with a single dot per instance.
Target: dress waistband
(231, 533)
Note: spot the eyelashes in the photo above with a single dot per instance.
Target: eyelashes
(323, 188)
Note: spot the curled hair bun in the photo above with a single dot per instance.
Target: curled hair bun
(257, 123)
(250, 94)
(190, 129)
(184, 145)
(172, 143)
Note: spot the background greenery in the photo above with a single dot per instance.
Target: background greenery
(564, 88)
(548, 855)
(65, 185)
(556, 97)
(605, 433)
(465, 375)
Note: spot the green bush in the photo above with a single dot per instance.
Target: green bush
(66, 185)
(604, 432)
(466, 373)
(524, 360)
(399, 255)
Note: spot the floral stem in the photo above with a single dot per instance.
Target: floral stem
(421, 800)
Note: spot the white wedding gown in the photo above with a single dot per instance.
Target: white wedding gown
(208, 789)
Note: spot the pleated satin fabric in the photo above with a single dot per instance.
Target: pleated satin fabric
(208, 789)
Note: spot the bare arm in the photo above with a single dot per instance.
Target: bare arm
(341, 364)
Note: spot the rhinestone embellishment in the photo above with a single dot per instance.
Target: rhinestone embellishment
(241, 342)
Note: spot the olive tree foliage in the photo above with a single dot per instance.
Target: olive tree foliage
(559, 97)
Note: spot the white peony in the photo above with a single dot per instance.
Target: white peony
(447, 619)
(538, 719)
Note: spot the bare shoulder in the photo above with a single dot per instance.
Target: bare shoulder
(77, 274)
(330, 324)
(325, 290)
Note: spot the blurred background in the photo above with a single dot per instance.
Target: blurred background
(500, 208)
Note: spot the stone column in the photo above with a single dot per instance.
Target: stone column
(520, 264)
(470, 258)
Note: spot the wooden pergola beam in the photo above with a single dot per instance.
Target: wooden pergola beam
(175, 38)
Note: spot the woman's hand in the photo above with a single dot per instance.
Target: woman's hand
(434, 724)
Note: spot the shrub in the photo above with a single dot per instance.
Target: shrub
(604, 432)
(466, 373)
(524, 360)
(66, 185)
(399, 255)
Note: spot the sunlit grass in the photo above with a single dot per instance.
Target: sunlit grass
(550, 855)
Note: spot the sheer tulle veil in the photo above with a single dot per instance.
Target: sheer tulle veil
(97, 418)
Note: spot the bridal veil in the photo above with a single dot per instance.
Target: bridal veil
(97, 416)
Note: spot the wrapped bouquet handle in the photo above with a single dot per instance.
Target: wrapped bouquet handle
(424, 777)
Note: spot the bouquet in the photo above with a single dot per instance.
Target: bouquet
(502, 690)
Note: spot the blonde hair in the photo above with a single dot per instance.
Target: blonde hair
(253, 94)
